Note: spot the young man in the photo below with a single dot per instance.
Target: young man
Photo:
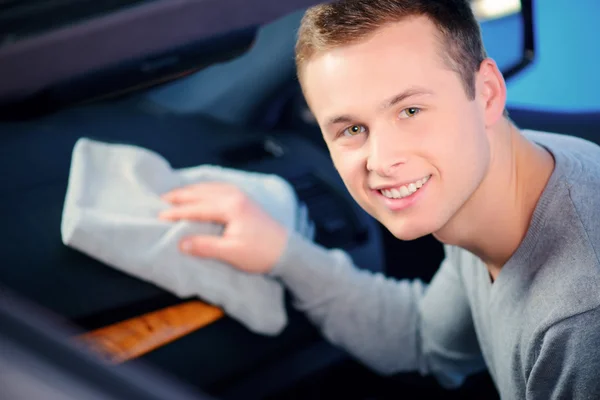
(412, 111)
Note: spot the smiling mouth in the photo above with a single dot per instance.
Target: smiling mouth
(404, 190)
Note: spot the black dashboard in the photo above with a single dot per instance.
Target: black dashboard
(56, 53)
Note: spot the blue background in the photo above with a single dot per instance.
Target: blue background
(566, 72)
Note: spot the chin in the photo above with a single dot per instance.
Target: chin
(408, 233)
(408, 236)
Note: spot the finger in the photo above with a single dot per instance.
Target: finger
(186, 194)
(197, 192)
(214, 247)
(183, 196)
(203, 212)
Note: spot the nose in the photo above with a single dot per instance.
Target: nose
(386, 153)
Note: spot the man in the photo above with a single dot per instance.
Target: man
(412, 111)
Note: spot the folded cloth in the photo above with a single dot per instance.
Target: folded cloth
(111, 214)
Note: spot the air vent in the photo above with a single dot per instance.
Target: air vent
(337, 225)
(252, 152)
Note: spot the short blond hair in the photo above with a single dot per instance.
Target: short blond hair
(344, 22)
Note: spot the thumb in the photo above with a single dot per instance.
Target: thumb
(208, 246)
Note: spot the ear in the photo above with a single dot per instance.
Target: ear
(491, 90)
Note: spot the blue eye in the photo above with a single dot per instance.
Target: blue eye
(409, 112)
(354, 130)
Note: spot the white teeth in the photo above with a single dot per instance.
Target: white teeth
(404, 191)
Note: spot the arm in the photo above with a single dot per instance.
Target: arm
(392, 326)
(567, 363)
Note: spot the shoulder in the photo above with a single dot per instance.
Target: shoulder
(565, 282)
(579, 158)
(558, 141)
(578, 198)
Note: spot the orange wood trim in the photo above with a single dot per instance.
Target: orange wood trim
(134, 337)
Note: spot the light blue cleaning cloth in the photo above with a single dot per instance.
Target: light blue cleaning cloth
(111, 214)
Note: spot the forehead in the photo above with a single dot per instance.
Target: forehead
(397, 56)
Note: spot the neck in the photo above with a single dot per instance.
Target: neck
(494, 221)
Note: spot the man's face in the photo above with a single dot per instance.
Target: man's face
(408, 143)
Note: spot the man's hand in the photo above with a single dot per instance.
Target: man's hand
(252, 240)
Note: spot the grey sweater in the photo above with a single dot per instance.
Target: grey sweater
(536, 328)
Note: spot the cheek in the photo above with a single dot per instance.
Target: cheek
(463, 166)
(351, 166)
(460, 142)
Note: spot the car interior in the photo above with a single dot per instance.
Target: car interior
(37, 363)
(200, 82)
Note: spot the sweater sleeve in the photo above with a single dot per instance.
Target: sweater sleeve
(390, 325)
(567, 362)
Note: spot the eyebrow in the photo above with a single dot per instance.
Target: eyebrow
(410, 92)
